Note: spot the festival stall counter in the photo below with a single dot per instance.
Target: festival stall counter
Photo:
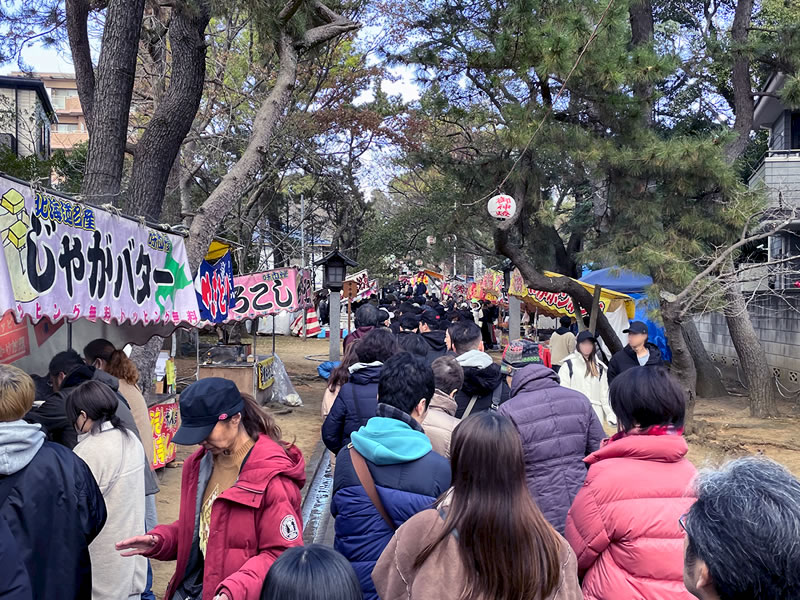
(72, 272)
(248, 297)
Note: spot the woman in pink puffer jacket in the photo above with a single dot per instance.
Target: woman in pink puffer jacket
(623, 524)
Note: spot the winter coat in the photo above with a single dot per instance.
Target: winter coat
(626, 359)
(356, 335)
(52, 415)
(421, 289)
(14, 581)
(594, 388)
(558, 429)
(562, 343)
(396, 578)
(438, 347)
(409, 478)
(141, 416)
(53, 508)
(116, 459)
(252, 523)
(624, 526)
(481, 377)
(440, 422)
(353, 407)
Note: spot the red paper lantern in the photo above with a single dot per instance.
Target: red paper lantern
(502, 207)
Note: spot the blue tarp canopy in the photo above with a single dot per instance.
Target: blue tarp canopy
(635, 285)
(619, 280)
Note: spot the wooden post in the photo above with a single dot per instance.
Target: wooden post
(349, 313)
(576, 312)
(595, 309)
(514, 317)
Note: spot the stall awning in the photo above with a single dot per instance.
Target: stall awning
(560, 304)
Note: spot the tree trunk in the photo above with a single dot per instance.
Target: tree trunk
(763, 402)
(538, 281)
(683, 368)
(106, 94)
(235, 182)
(709, 382)
(145, 358)
(161, 141)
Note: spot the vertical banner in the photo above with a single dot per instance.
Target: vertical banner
(215, 289)
(164, 421)
(14, 342)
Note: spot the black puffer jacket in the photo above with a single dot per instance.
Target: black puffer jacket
(54, 510)
(626, 359)
(353, 407)
(481, 382)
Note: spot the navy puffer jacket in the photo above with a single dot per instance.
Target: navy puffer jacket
(559, 429)
(353, 407)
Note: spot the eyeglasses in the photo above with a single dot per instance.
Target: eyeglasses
(682, 522)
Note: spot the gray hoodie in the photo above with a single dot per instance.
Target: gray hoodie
(19, 443)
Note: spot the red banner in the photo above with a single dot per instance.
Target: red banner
(14, 342)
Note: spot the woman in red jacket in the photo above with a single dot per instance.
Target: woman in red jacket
(623, 524)
(240, 498)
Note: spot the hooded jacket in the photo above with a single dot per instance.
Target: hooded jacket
(252, 523)
(558, 429)
(436, 343)
(408, 475)
(14, 581)
(440, 422)
(481, 377)
(47, 495)
(353, 407)
(396, 577)
(562, 343)
(626, 359)
(594, 388)
(624, 526)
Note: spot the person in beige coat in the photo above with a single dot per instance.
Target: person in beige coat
(440, 421)
(562, 343)
(470, 544)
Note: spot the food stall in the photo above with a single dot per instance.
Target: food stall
(256, 295)
(71, 272)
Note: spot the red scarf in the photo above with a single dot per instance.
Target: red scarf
(652, 430)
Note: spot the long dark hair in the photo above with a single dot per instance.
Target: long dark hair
(256, 421)
(510, 551)
(341, 374)
(98, 401)
(592, 368)
(312, 572)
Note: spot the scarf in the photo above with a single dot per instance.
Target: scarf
(390, 412)
(652, 430)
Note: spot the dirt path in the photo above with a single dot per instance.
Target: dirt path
(728, 431)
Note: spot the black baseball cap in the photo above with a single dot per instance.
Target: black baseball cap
(586, 335)
(636, 327)
(204, 404)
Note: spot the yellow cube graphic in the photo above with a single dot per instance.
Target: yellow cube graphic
(12, 201)
(17, 233)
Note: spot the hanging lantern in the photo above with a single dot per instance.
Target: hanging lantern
(431, 239)
(502, 207)
(419, 262)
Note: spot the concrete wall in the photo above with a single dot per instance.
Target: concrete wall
(777, 323)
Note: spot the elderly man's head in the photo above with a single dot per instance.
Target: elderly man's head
(743, 533)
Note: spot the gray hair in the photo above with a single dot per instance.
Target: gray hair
(745, 526)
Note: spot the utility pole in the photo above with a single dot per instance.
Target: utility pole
(303, 230)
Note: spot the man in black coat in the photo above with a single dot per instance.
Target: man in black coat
(638, 353)
(433, 335)
(48, 497)
(484, 384)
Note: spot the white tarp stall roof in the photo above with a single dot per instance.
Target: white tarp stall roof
(65, 261)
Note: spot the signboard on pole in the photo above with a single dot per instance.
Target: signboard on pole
(214, 287)
(270, 292)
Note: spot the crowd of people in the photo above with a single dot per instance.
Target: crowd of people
(456, 477)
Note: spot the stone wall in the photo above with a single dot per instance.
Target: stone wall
(777, 323)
